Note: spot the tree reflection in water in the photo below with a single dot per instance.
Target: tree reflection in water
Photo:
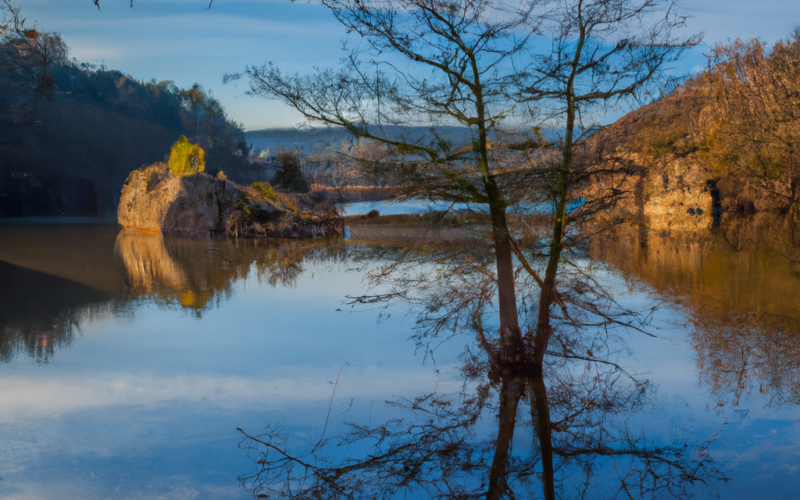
(40, 312)
(52, 279)
(605, 434)
(600, 416)
(740, 289)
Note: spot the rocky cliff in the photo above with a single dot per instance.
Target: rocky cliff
(155, 199)
(669, 182)
(719, 149)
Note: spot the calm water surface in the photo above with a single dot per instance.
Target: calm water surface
(406, 207)
(390, 207)
(127, 361)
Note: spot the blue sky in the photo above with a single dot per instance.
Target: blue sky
(181, 40)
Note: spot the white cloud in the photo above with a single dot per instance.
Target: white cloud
(42, 396)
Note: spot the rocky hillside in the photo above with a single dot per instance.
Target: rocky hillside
(720, 148)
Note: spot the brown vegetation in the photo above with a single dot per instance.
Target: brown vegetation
(727, 142)
(359, 193)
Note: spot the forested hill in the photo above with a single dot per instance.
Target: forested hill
(71, 133)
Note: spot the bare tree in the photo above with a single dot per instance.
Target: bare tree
(602, 52)
(479, 64)
(502, 71)
(27, 56)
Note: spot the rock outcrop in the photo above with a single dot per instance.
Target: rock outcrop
(672, 194)
(154, 199)
(687, 168)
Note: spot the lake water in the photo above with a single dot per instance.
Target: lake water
(127, 361)
(406, 207)
(389, 207)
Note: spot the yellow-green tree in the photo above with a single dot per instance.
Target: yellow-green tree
(186, 158)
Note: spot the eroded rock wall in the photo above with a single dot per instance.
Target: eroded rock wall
(676, 195)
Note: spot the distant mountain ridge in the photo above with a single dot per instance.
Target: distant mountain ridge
(313, 139)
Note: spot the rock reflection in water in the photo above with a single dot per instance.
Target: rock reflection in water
(53, 279)
(742, 299)
(195, 273)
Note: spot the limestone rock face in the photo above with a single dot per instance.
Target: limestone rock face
(674, 194)
(154, 199)
(678, 195)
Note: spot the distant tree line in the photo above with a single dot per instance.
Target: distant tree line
(70, 132)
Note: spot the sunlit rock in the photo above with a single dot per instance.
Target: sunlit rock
(155, 199)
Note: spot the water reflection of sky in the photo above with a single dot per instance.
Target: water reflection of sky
(405, 207)
(145, 401)
(147, 404)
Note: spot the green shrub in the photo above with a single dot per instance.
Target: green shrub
(265, 189)
(186, 158)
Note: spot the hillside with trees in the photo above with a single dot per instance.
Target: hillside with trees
(70, 132)
(723, 147)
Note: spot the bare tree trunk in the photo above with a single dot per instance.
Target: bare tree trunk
(540, 409)
(540, 414)
(511, 391)
(512, 347)
(544, 329)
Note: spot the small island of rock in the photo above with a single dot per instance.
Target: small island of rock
(179, 198)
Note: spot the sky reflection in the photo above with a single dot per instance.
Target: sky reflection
(146, 403)
(144, 398)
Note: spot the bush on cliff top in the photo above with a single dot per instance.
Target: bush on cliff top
(265, 189)
(186, 158)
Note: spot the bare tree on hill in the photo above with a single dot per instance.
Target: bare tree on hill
(27, 58)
